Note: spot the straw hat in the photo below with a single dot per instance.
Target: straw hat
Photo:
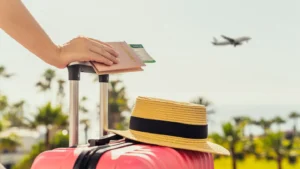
(171, 124)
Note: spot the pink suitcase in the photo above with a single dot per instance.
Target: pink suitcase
(111, 151)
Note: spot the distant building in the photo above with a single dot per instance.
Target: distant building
(28, 139)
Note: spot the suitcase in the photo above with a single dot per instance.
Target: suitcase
(111, 151)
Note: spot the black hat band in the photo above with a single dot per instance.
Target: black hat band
(168, 128)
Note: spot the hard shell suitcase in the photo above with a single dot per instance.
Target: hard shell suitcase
(111, 151)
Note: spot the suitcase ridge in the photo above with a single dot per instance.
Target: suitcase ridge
(89, 159)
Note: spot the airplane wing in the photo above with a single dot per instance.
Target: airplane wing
(229, 39)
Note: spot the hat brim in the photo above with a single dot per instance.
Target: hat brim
(174, 142)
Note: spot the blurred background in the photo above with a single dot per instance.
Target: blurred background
(251, 91)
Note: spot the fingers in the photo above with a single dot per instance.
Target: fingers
(104, 53)
(104, 48)
(99, 58)
(94, 50)
(98, 41)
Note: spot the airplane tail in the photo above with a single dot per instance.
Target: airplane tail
(215, 41)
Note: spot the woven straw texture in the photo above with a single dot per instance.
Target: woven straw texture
(166, 110)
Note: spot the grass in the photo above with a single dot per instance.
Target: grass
(252, 163)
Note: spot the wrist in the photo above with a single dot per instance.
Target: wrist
(59, 61)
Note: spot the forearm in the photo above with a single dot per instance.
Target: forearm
(18, 23)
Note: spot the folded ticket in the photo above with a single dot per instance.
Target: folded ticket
(142, 53)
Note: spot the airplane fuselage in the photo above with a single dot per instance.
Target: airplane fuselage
(230, 41)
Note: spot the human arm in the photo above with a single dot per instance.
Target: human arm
(18, 23)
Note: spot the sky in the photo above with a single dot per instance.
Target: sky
(178, 34)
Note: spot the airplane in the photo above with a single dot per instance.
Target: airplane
(231, 41)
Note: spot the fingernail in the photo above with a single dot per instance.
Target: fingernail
(111, 63)
(118, 60)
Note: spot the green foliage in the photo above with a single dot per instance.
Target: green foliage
(117, 101)
(251, 162)
(203, 101)
(273, 142)
(247, 151)
(217, 138)
(10, 143)
(272, 146)
(82, 108)
(49, 115)
(4, 74)
(85, 121)
(28, 159)
(45, 83)
(294, 115)
(264, 124)
(117, 97)
(58, 141)
(232, 133)
(3, 102)
(15, 114)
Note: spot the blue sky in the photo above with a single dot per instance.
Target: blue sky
(178, 35)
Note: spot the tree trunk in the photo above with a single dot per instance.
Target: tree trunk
(47, 144)
(279, 160)
(265, 132)
(233, 157)
(295, 127)
(110, 120)
(114, 119)
(86, 134)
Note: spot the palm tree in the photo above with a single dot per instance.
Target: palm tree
(3, 102)
(232, 135)
(273, 141)
(45, 83)
(15, 115)
(10, 143)
(4, 124)
(242, 122)
(3, 99)
(50, 116)
(202, 101)
(1, 126)
(61, 91)
(294, 116)
(278, 120)
(117, 101)
(84, 121)
(4, 74)
(264, 124)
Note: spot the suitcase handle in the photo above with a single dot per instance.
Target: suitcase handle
(74, 70)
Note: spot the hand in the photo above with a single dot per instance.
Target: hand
(86, 49)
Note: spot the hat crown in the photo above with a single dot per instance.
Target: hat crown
(171, 111)
(170, 123)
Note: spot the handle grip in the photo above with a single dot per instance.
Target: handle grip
(74, 70)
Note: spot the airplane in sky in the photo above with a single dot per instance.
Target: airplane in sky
(231, 41)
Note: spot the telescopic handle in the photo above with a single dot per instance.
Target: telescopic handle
(74, 70)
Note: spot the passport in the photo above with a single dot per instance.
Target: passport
(130, 60)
